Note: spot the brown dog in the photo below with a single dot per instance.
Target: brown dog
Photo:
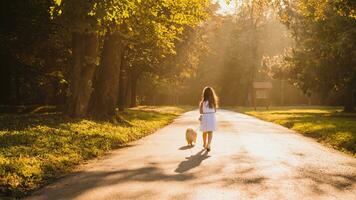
(191, 136)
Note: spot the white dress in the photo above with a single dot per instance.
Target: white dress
(208, 121)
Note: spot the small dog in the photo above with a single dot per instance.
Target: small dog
(191, 136)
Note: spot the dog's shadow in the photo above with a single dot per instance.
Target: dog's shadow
(186, 147)
(192, 161)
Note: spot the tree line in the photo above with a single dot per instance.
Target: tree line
(96, 56)
(90, 54)
(308, 44)
(323, 59)
(237, 44)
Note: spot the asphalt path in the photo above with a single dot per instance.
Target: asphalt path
(250, 159)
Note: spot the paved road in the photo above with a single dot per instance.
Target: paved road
(250, 159)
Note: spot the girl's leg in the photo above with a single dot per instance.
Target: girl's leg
(210, 137)
(204, 139)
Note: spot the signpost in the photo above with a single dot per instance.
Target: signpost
(261, 92)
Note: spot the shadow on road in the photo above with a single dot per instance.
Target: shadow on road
(185, 147)
(192, 161)
(102, 179)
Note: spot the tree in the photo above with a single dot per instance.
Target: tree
(157, 28)
(151, 27)
(33, 58)
(115, 21)
(236, 46)
(79, 20)
(323, 59)
(167, 80)
(253, 15)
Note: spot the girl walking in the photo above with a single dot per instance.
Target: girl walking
(207, 108)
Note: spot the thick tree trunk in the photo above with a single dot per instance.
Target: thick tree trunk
(77, 54)
(85, 49)
(128, 88)
(133, 99)
(122, 85)
(105, 95)
(87, 73)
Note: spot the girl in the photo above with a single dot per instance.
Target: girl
(207, 109)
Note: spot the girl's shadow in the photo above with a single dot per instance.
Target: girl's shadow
(186, 147)
(192, 161)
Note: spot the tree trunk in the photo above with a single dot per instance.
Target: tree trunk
(85, 49)
(122, 85)
(348, 100)
(128, 88)
(282, 92)
(255, 59)
(6, 74)
(106, 90)
(77, 54)
(133, 101)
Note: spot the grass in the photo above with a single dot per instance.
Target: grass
(328, 125)
(37, 148)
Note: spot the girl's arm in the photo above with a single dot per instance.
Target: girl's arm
(201, 108)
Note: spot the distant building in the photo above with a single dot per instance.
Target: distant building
(261, 94)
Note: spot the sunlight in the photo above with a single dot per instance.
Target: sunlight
(237, 99)
(226, 8)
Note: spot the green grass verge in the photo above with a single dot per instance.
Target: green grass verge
(327, 124)
(37, 148)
